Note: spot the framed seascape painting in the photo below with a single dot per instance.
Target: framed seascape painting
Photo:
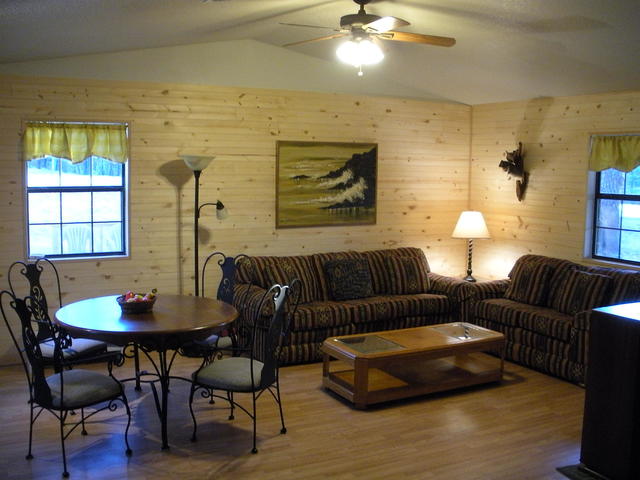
(325, 184)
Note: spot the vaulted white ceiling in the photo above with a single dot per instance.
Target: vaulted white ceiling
(505, 50)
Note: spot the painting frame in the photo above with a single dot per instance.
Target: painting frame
(322, 184)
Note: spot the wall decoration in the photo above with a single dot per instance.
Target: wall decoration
(325, 184)
(514, 166)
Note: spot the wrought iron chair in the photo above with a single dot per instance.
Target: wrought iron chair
(257, 370)
(229, 341)
(65, 390)
(80, 350)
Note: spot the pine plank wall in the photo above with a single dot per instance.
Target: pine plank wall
(423, 174)
(555, 132)
(434, 160)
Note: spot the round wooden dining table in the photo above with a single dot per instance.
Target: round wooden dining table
(174, 321)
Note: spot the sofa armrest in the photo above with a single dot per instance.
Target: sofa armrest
(579, 337)
(452, 287)
(474, 292)
(443, 285)
(247, 298)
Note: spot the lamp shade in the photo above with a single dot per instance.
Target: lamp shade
(359, 51)
(471, 224)
(221, 211)
(197, 162)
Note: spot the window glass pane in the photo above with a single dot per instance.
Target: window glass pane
(633, 182)
(44, 240)
(612, 181)
(630, 246)
(76, 238)
(106, 172)
(43, 172)
(609, 213)
(631, 215)
(78, 175)
(44, 208)
(607, 243)
(76, 207)
(107, 237)
(107, 207)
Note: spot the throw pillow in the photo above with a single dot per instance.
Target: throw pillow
(349, 278)
(407, 275)
(583, 291)
(529, 283)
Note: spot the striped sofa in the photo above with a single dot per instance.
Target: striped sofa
(544, 307)
(400, 292)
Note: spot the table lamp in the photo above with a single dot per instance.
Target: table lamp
(470, 225)
(197, 163)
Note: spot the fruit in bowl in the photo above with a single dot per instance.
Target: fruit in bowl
(132, 302)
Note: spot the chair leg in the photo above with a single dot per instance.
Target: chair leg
(84, 430)
(126, 431)
(254, 449)
(231, 404)
(63, 417)
(279, 400)
(29, 456)
(193, 417)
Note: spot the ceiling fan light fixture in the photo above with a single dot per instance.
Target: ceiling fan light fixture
(359, 51)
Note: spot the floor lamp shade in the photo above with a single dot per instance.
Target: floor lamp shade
(470, 225)
(197, 162)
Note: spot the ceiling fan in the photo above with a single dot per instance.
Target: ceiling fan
(363, 26)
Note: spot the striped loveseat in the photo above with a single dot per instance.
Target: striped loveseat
(543, 309)
(398, 291)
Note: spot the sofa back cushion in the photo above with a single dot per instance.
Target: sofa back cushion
(380, 274)
(407, 275)
(529, 282)
(264, 271)
(583, 291)
(625, 284)
(348, 279)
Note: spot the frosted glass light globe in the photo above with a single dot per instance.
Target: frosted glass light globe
(359, 52)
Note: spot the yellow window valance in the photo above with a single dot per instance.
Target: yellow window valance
(75, 141)
(621, 152)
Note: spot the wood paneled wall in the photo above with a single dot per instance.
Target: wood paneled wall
(555, 135)
(423, 173)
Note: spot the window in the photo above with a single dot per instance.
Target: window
(74, 209)
(616, 227)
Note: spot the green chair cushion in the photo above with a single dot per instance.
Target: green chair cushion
(82, 388)
(232, 374)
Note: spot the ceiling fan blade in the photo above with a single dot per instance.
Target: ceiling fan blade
(418, 38)
(308, 26)
(385, 24)
(326, 37)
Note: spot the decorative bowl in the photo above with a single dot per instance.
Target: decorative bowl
(135, 307)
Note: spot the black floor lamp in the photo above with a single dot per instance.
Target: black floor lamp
(197, 163)
(470, 225)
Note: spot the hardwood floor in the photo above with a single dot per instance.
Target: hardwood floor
(520, 429)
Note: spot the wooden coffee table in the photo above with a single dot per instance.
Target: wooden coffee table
(382, 366)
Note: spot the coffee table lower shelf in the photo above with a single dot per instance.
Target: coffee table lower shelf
(407, 379)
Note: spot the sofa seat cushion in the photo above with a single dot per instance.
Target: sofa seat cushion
(542, 320)
(325, 314)
(380, 308)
